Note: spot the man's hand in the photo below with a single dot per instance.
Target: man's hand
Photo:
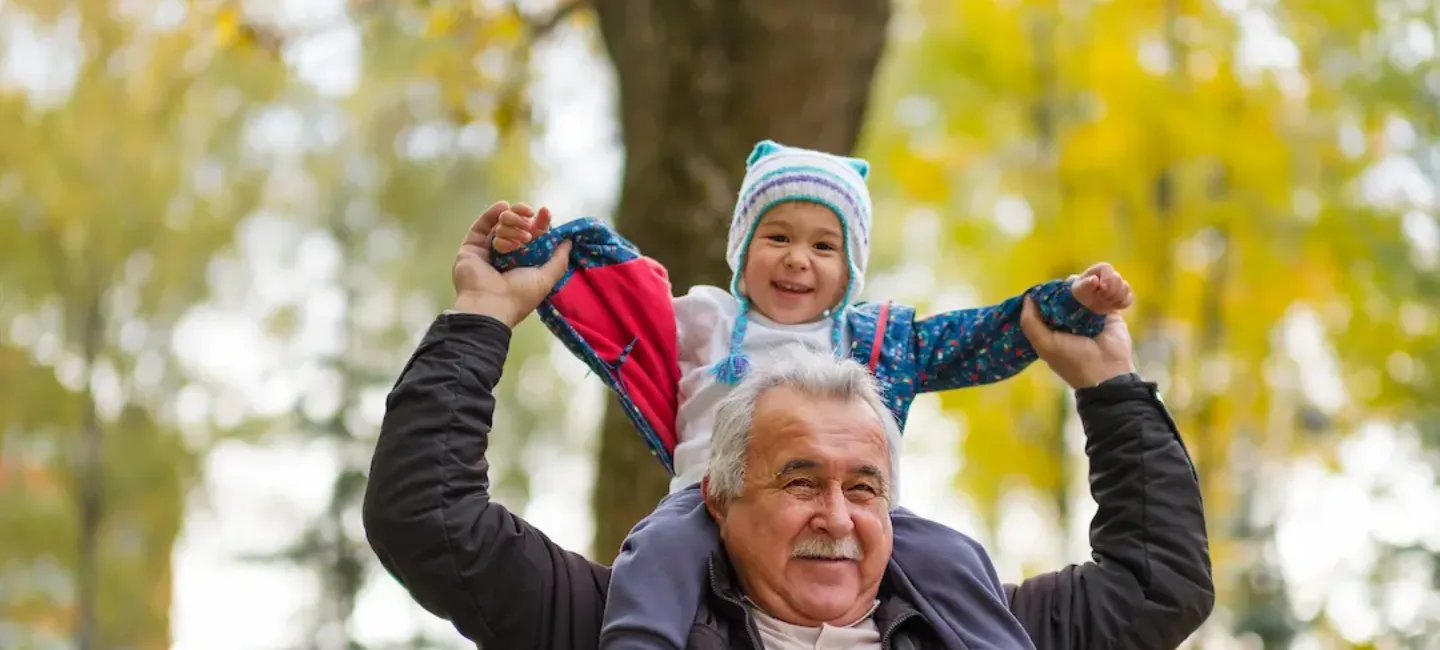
(507, 297)
(518, 225)
(1101, 289)
(1080, 361)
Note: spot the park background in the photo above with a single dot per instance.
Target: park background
(225, 223)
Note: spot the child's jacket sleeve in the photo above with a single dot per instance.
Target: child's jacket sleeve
(612, 310)
(973, 347)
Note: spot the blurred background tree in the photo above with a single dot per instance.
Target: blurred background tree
(1234, 181)
(123, 170)
(1265, 174)
(388, 167)
(691, 104)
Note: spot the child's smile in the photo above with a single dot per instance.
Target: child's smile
(790, 287)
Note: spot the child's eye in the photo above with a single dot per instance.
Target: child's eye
(824, 246)
(779, 239)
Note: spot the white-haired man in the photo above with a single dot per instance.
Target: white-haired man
(801, 484)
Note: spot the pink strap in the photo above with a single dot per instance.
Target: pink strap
(878, 344)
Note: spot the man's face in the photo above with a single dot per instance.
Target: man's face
(810, 534)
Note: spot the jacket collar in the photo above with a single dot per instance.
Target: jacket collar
(893, 609)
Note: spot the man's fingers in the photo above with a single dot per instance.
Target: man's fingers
(1034, 328)
(555, 267)
(481, 230)
(493, 212)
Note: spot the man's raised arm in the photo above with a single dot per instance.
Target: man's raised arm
(428, 512)
(1149, 583)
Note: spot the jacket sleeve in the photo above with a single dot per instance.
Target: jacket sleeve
(613, 310)
(429, 516)
(974, 347)
(1148, 584)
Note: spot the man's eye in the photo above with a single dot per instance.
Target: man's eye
(862, 487)
(801, 483)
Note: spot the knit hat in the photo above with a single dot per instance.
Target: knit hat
(775, 174)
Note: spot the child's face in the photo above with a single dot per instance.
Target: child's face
(795, 267)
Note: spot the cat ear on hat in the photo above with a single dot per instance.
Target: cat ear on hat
(762, 148)
(860, 166)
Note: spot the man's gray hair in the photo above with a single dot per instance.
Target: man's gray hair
(811, 373)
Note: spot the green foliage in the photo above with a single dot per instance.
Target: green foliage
(426, 140)
(120, 181)
(1224, 187)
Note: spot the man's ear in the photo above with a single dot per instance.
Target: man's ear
(712, 505)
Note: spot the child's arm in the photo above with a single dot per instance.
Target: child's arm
(973, 347)
(612, 310)
(659, 577)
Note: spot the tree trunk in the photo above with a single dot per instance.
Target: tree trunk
(700, 82)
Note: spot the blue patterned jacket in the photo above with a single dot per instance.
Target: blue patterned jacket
(612, 310)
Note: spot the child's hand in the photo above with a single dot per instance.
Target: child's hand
(517, 226)
(1101, 289)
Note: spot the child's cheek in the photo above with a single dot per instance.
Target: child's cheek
(757, 263)
(842, 278)
(754, 269)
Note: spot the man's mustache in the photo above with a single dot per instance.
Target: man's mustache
(827, 548)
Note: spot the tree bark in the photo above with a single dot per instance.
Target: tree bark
(700, 82)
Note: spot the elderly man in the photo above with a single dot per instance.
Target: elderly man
(800, 483)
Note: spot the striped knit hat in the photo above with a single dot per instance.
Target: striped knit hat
(776, 174)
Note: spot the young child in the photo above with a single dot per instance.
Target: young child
(798, 245)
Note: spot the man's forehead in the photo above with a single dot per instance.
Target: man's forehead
(802, 465)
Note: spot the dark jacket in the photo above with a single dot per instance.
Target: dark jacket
(724, 622)
(505, 585)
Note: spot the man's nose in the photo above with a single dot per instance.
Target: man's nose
(833, 517)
